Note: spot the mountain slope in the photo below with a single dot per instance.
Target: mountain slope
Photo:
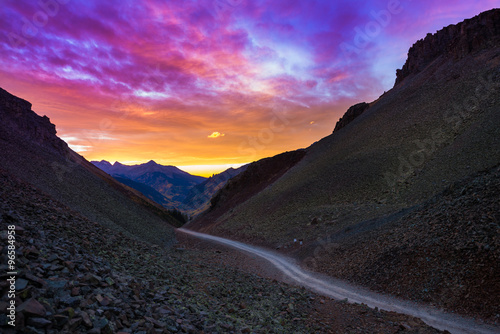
(31, 151)
(254, 179)
(146, 190)
(199, 196)
(433, 128)
(171, 182)
(439, 125)
(446, 250)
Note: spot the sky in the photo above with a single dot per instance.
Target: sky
(207, 84)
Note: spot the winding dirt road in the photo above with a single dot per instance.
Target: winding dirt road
(340, 290)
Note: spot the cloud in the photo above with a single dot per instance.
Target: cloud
(216, 134)
(184, 68)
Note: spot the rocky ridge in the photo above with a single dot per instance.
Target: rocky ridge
(19, 120)
(351, 113)
(454, 41)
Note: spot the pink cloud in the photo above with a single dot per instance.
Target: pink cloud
(202, 63)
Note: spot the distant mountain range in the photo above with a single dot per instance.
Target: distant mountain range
(169, 181)
(136, 172)
(168, 185)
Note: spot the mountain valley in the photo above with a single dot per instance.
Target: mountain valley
(168, 185)
(402, 198)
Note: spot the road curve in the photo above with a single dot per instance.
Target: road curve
(341, 290)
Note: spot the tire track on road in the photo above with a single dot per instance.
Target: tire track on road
(341, 290)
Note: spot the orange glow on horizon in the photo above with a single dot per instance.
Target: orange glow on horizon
(190, 84)
(128, 132)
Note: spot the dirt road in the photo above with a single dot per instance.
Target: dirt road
(340, 290)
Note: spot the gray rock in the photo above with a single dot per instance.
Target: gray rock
(53, 258)
(57, 284)
(38, 322)
(21, 284)
(86, 320)
(60, 320)
(71, 301)
(32, 307)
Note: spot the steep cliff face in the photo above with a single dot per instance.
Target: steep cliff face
(454, 41)
(17, 119)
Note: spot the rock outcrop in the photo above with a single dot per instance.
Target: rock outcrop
(18, 119)
(455, 41)
(351, 114)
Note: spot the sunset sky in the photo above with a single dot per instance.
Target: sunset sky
(207, 84)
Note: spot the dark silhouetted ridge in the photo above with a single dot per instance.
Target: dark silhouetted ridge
(456, 41)
(31, 151)
(257, 176)
(351, 114)
(19, 120)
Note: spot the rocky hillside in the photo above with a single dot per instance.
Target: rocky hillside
(445, 251)
(76, 276)
(31, 151)
(439, 125)
(257, 176)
